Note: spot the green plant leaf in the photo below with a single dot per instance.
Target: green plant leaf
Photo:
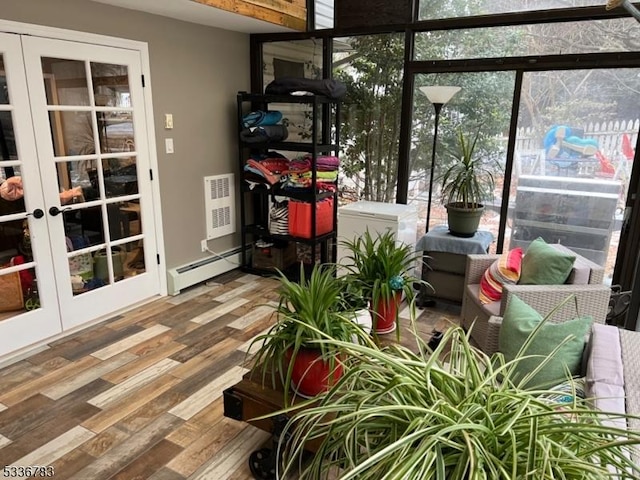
(398, 414)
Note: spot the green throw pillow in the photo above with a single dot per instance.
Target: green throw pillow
(544, 265)
(519, 321)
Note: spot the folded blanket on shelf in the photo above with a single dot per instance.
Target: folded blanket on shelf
(259, 169)
(325, 162)
(327, 87)
(261, 118)
(330, 176)
(300, 164)
(304, 188)
(264, 134)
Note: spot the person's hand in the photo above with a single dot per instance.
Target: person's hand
(71, 195)
(11, 189)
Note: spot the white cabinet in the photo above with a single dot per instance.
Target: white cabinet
(355, 218)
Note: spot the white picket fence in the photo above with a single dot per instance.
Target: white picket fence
(530, 154)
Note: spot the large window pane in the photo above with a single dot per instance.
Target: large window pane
(297, 58)
(372, 68)
(574, 153)
(300, 59)
(615, 35)
(483, 105)
(434, 9)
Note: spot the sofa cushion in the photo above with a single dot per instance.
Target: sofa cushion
(545, 265)
(580, 273)
(519, 321)
(605, 356)
(505, 270)
(492, 308)
(630, 352)
(604, 381)
(608, 398)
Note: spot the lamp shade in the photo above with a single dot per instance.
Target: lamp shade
(439, 94)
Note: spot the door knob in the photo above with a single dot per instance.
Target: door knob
(37, 213)
(53, 211)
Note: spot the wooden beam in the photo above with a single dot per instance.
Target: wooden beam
(287, 13)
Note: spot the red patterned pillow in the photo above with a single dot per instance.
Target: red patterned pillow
(506, 269)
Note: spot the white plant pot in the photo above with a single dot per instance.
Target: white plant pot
(363, 318)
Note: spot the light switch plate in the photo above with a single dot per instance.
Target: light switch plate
(168, 145)
(168, 121)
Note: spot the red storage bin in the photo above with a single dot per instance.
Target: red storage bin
(300, 218)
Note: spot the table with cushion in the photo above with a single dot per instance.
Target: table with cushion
(445, 260)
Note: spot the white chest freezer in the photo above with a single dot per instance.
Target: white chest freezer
(355, 218)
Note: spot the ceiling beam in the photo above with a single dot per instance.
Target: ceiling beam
(287, 13)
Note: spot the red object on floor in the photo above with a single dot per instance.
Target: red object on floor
(311, 375)
(26, 279)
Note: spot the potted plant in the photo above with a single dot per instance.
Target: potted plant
(383, 270)
(466, 182)
(307, 311)
(397, 414)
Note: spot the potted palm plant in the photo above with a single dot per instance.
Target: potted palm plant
(466, 183)
(307, 311)
(398, 414)
(383, 270)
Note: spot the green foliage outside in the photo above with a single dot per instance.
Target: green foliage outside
(372, 68)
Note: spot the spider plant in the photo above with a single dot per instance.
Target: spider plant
(400, 415)
(382, 267)
(307, 310)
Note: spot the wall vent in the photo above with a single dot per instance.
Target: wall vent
(220, 205)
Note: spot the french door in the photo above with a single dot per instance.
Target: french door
(88, 245)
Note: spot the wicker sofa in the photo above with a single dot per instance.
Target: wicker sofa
(610, 367)
(585, 282)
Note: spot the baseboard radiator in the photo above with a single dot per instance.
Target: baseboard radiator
(201, 270)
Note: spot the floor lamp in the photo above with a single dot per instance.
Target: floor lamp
(627, 5)
(438, 96)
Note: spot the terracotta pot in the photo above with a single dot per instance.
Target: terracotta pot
(311, 375)
(385, 313)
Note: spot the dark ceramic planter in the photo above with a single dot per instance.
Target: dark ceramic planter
(463, 220)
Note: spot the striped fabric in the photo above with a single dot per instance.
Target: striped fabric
(279, 219)
(505, 269)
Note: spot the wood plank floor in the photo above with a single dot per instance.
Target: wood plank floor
(139, 396)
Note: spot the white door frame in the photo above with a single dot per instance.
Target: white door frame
(27, 327)
(143, 49)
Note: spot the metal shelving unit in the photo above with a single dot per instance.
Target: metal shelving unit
(255, 201)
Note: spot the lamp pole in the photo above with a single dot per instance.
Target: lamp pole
(438, 96)
(438, 107)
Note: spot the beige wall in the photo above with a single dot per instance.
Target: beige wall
(196, 72)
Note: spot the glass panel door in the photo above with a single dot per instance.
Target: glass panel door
(88, 115)
(577, 131)
(28, 303)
